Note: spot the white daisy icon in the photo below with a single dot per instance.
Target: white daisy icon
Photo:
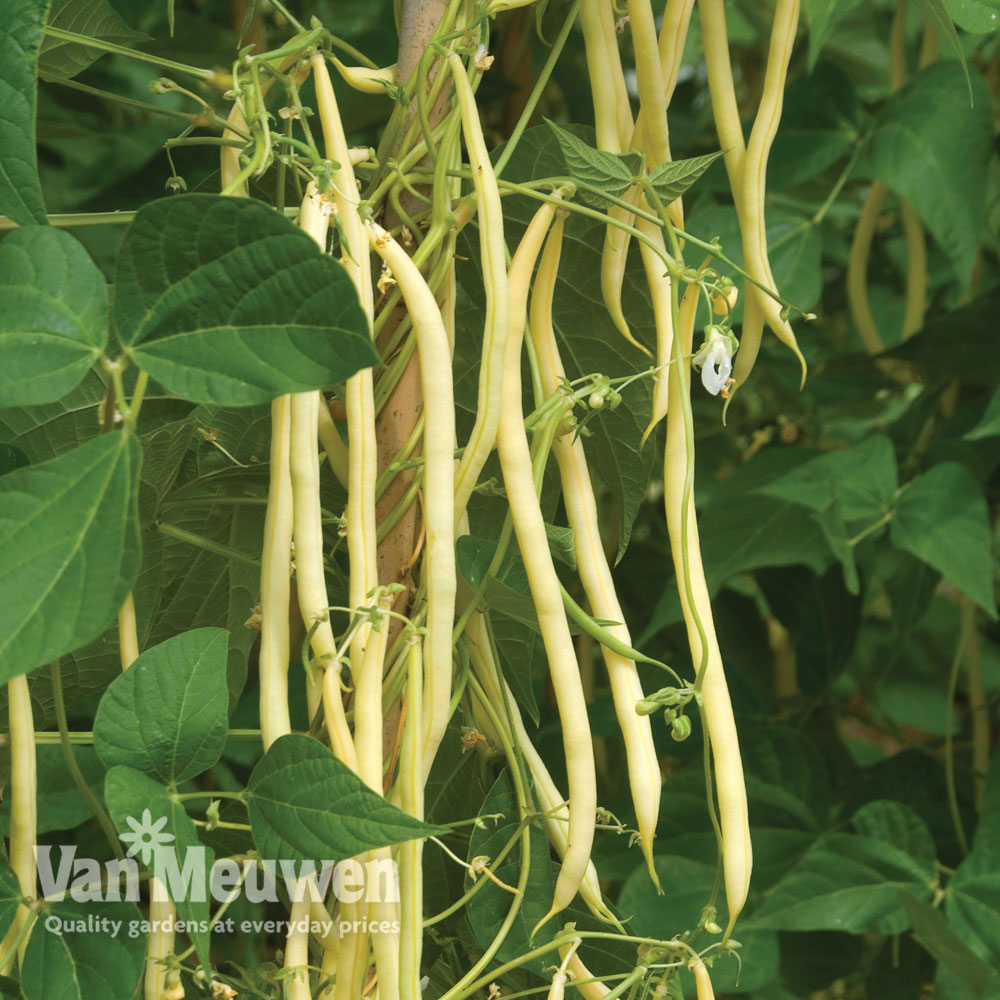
(146, 837)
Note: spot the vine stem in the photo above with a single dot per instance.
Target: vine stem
(949, 745)
(103, 46)
(74, 768)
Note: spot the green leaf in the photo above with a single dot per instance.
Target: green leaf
(846, 882)
(794, 244)
(979, 17)
(611, 173)
(488, 909)
(305, 805)
(670, 180)
(61, 806)
(129, 794)
(930, 147)
(53, 315)
(561, 544)
(687, 886)
(941, 518)
(11, 458)
(223, 300)
(83, 964)
(10, 897)
(823, 16)
(20, 36)
(938, 16)
(741, 532)
(973, 905)
(166, 715)
(820, 121)
(897, 824)
(862, 479)
(60, 59)
(989, 422)
(932, 931)
(70, 540)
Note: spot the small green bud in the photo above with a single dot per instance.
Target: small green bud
(680, 728)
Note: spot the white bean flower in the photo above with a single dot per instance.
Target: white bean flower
(715, 359)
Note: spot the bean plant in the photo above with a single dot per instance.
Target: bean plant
(496, 499)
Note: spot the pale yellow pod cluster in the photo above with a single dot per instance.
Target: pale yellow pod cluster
(595, 573)
(748, 190)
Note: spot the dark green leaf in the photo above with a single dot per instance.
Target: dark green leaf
(740, 532)
(820, 120)
(12, 458)
(862, 479)
(61, 806)
(941, 518)
(53, 315)
(20, 36)
(931, 929)
(670, 180)
(611, 173)
(305, 805)
(166, 715)
(225, 301)
(846, 882)
(989, 422)
(83, 964)
(129, 795)
(94, 18)
(930, 147)
(812, 960)
(823, 16)
(899, 825)
(951, 345)
(10, 897)
(70, 540)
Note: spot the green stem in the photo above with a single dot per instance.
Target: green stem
(605, 638)
(74, 769)
(838, 186)
(240, 796)
(883, 520)
(540, 84)
(292, 47)
(135, 405)
(172, 531)
(480, 882)
(130, 102)
(949, 746)
(121, 50)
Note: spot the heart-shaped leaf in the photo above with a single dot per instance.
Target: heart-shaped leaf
(70, 542)
(166, 715)
(224, 300)
(53, 315)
